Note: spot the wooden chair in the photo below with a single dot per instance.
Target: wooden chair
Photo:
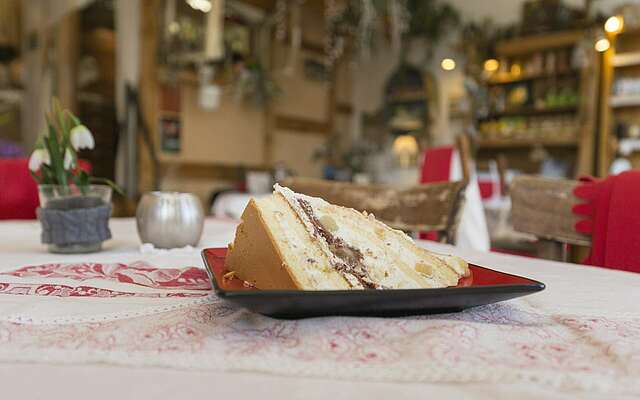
(542, 207)
(463, 144)
(430, 207)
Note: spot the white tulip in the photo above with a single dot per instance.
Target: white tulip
(39, 157)
(81, 138)
(69, 161)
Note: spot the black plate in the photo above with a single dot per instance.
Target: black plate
(484, 286)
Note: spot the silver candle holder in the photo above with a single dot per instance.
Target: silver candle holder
(170, 219)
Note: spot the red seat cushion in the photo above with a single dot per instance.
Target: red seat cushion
(18, 190)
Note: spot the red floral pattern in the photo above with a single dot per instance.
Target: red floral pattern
(140, 273)
(499, 343)
(80, 291)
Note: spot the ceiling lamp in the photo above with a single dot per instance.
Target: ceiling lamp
(614, 24)
(448, 64)
(602, 45)
(491, 65)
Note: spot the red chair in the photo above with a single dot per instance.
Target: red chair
(453, 163)
(18, 191)
(436, 164)
(436, 167)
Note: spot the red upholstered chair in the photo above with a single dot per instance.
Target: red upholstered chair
(18, 190)
(436, 167)
(453, 163)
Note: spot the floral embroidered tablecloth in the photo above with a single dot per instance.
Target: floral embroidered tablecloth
(137, 308)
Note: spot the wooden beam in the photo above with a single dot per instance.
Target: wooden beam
(302, 125)
(588, 113)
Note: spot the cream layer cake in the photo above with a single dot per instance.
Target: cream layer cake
(292, 241)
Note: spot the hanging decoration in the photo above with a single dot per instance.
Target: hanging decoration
(366, 29)
(280, 17)
(398, 18)
(333, 44)
(364, 23)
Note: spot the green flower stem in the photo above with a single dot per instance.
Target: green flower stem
(109, 182)
(57, 159)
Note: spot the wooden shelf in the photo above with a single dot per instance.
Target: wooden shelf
(581, 148)
(519, 143)
(533, 77)
(627, 59)
(545, 41)
(517, 112)
(620, 101)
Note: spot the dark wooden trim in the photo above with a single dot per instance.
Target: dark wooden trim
(344, 108)
(301, 125)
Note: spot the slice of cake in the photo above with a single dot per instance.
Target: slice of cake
(292, 241)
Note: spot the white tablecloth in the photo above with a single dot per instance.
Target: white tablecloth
(126, 323)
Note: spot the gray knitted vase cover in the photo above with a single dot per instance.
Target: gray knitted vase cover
(79, 225)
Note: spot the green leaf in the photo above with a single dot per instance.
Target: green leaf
(82, 185)
(109, 182)
(57, 155)
(46, 175)
(85, 179)
(74, 119)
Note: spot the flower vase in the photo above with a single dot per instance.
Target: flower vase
(74, 219)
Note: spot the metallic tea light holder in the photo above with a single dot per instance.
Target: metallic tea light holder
(170, 219)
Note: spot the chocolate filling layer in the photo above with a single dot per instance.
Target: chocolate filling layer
(350, 263)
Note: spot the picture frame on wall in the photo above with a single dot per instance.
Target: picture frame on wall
(170, 134)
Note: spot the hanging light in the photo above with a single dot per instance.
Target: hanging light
(201, 5)
(602, 45)
(614, 24)
(491, 65)
(448, 64)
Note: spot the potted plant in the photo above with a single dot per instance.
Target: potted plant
(74, 207)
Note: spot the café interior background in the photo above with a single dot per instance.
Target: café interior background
(200, 95)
